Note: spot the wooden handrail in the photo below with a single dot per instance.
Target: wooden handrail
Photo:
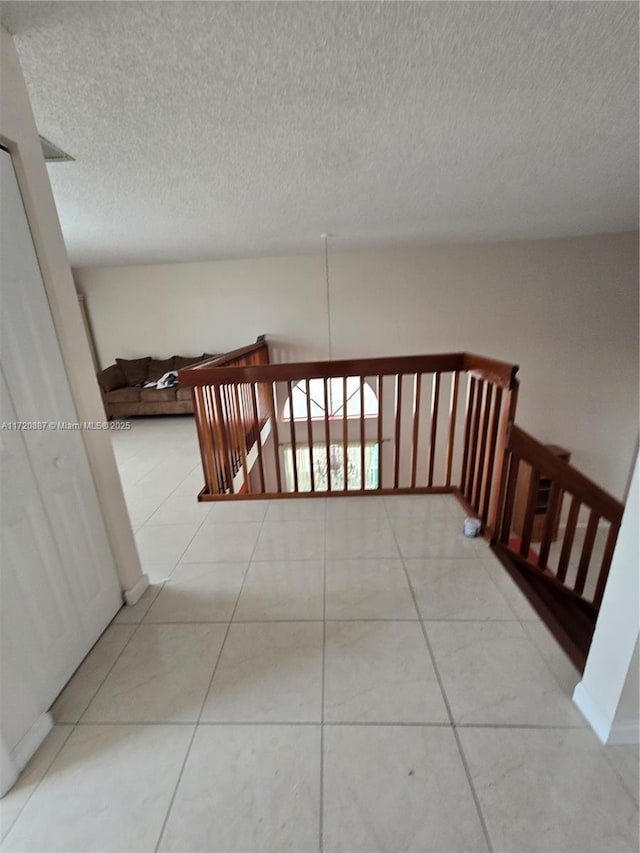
(568, 478)
(210, 374)
(584, 494)
(496, 372)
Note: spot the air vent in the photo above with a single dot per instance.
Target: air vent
(53, 154)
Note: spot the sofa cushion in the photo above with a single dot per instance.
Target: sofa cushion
(158, 367)
(157, 395)
(135, 369)
(123, 395)
(183, 394)
(111, 378)
(185, 360)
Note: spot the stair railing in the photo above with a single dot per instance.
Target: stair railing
(317, 428)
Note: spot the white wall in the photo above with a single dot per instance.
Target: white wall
(566, 310)
(608, 692)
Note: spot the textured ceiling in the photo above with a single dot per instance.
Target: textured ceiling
(209, 130)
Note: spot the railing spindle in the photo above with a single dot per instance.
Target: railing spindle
(527, 525)
(567, 542)
(605, 565)
(310, 438)
(254, 406)
(475, 429)
(512, 483)
(555, 497)
(292, 431)
(471, 394)
(491, 454)
(453, 409)
(272, 405)
(345, 434)
(223, 438)
(587, 550)
(417, 387)
(362, 433)
(243, 449)
(327, 434)
(435, 401)
(396, 465)
(484, 434)
(380, 434)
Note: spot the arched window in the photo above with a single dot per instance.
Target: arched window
(335, 399)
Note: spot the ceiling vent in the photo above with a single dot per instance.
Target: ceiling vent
(53, 154)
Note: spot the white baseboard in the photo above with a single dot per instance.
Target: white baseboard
(608, 732)
(133, 595)
(25, 748)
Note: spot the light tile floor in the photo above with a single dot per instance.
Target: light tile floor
(345, 675)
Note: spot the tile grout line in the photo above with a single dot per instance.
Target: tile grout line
(74, 725)
(336, 723)
(206, 695)
(5, 834)
(324, 646)
(474, 794)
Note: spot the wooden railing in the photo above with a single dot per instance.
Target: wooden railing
(409, 425)
(404, 429)
(226, 416)
(576, 569)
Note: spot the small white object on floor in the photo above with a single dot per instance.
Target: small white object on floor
(472, 527)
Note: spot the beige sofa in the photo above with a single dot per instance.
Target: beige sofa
(123, 393)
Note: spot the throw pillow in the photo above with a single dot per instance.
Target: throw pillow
(184, 360)
(158, 367)
(111, 378)
(135, 369)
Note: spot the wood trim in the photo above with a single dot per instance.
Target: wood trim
(209, 374)
(565, 475)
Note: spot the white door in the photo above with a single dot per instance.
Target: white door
(59, 584)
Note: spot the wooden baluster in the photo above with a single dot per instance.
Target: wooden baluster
(417, 389)
(215, 439)
(513, 465)
(327, 434)
(345, 433)
(254, 406)
(224, 440)
(527, 525)
(396, 464)
(475, 429)
(243, 449)
(609, 548)
(272, 405)
(499, 477)
(553, 509)
(292, 430)
(435, 401)
(310, 437)
(471, 395)
(362, 433)
(204, 439)
(453, 409)
(484, 435)
(567, 542)
(491, 453)
(587, 550)
(380, 435)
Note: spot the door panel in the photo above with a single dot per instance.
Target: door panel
(59, 584)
